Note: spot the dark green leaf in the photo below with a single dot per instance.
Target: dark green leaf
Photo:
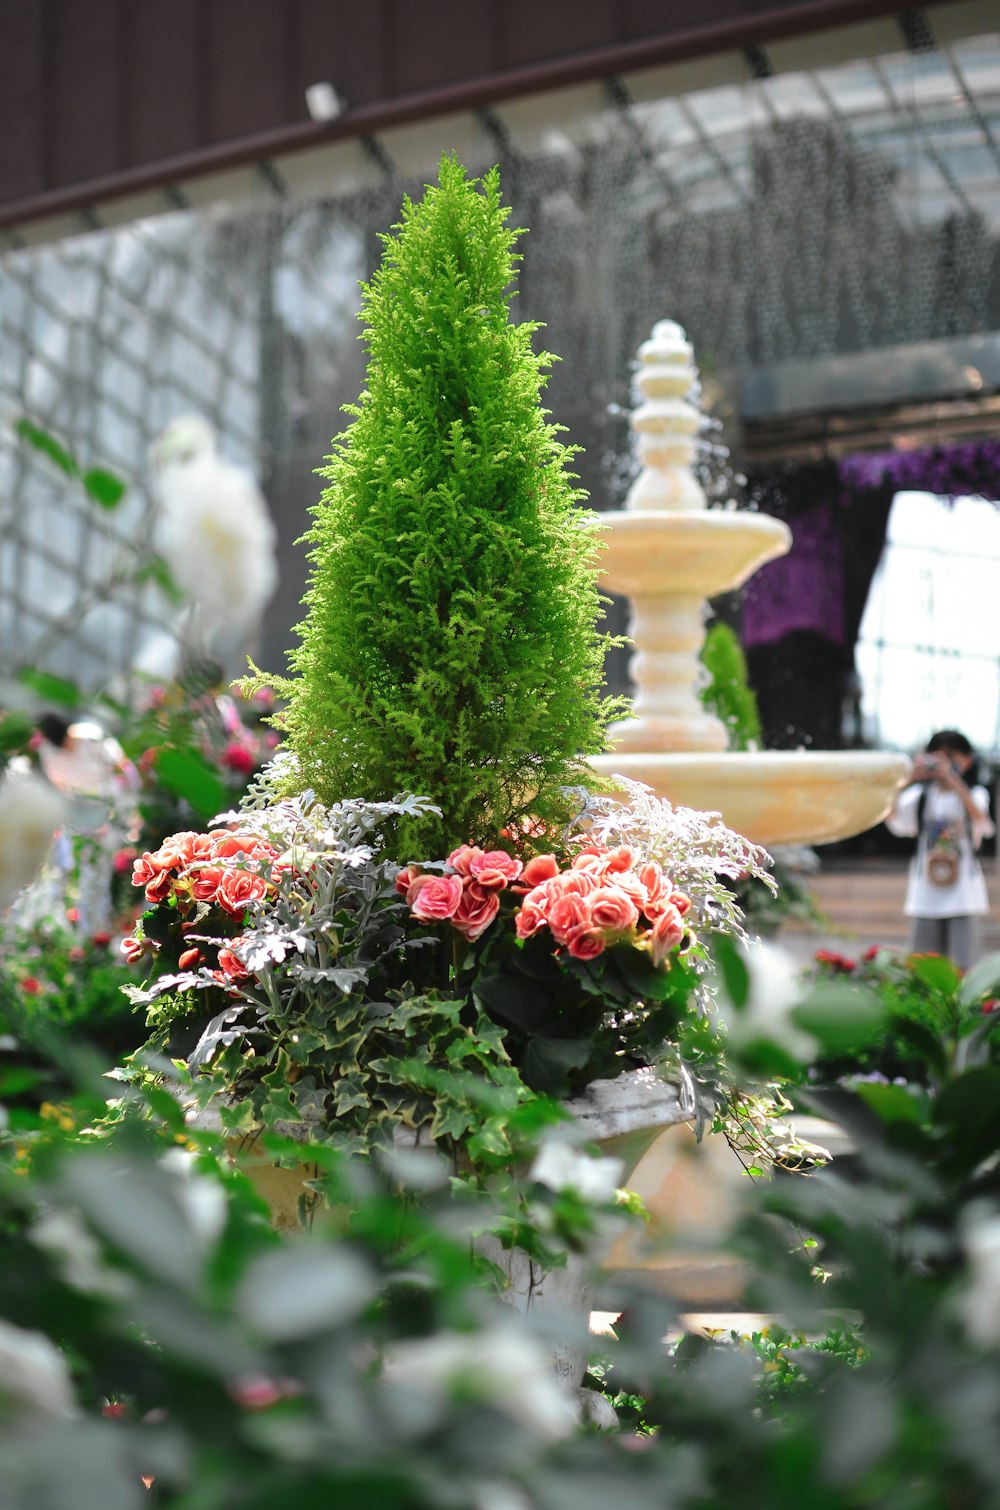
(970, 1109)
(922, 1040)
(546, 1062)
(893, 1103)
(156, 570)
(52, 689)
(47, 444)
(103, 487)
(841, 1016)
(733, 968)
(189, 775)
(938, 972)
(15, 731)
(982, 980)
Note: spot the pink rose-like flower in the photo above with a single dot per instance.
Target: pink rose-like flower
(134, 949)
(231, 965)
(531, 918)
(437, 898)
(596, 847)
(656, 887)
(681, 901)
(627, 882)
(238, 888)
(204, 881)
(143, 872)
(667, 932)
(495, 869)
(476, 911)
(612, 910)
(30, 985)
(157, 882)
(236, 757)
(585, 943)
(461, 858)
(191, 848)
(123, 861)
(171, 851)
(588, 861)
(541, 868)
(226, 845)
(578, 883)
(567, 915)
(190, 959)
(405, 880)
(622, 858)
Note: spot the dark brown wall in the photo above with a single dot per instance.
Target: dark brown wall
(99, 97)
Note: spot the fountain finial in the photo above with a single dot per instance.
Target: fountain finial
(666, 423)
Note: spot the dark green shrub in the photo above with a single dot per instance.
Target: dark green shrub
(728, 693)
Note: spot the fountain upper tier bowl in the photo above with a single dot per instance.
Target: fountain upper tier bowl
(701, 553)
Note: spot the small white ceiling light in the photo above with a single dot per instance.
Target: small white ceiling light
(323, 102)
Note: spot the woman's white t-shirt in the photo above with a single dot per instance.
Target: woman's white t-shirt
(967, 895)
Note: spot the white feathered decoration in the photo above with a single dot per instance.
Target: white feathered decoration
(214, 531)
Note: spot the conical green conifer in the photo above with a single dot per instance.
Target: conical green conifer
(450, 646)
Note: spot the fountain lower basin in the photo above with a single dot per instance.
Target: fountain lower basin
(774, 796)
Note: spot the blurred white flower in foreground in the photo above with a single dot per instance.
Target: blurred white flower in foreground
(774, 990)
(980, 1304)
(30, 812)
(61, 1233)
(214, 530)
(202, 1200)
(560, 1167)
(34, 1378)
(500, 1366)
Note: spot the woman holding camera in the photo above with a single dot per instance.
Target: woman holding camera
(946, 893)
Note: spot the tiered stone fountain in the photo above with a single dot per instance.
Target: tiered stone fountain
(669, 553)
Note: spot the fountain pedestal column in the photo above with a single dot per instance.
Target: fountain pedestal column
(668, 712)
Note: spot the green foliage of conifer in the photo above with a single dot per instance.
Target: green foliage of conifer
(450, 645)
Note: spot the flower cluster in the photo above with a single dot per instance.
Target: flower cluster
(467, 894)
(602, 896)
(234, 871)
(605, 895)
(837, 964)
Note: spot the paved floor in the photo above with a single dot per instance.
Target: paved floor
(861, 903)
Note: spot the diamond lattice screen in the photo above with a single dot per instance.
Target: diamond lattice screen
(793, 216)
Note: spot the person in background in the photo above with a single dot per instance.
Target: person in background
(89, 768)
(946, 893)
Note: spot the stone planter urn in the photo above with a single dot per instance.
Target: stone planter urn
(623, 1117)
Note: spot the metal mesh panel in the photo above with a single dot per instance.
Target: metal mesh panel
(792, 216)
(102, 340)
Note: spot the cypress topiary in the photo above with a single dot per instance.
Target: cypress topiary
(450, 646)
